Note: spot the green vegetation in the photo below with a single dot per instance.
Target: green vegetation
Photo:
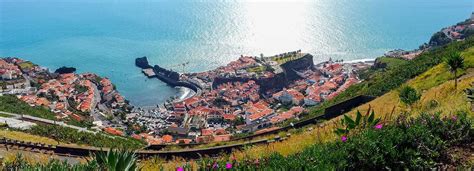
(82, 123)
(420, 143)
(258, 69)
(414, 144)
(120, 160)
(378, 81)
(439, 39)
(284, 59)
(408, 95)
(69, 135)
(455, 62)
(80, 88)
(392, 62)
(9, 103)
(117, 160)
(360, 122)
(26, 65)
(5, 115)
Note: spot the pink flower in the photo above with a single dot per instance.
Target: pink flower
(257, 161)
(343, 138)
(454, 118)
(228, 165)
(179, 169)
(379, 126)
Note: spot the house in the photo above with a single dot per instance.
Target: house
(167, 138)
(191, 102)
(229, 117)
(297, 96)
(179, 131)
(222, 138)
(113, 131)
(204, 139)
(207, 132)
(312, 99)
(183, 141)
(289, 97)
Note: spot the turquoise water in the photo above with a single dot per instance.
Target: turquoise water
(106, 36)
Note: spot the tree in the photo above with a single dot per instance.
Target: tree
(455, 61)
(408, 95)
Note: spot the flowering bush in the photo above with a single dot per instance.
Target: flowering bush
(414, 144)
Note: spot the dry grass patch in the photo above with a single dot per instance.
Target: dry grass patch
(21, 136)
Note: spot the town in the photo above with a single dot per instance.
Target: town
(248, 95)
(84, 100)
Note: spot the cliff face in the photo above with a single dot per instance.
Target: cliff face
(279, 81)
(172, 75)
(379, 64)
(302, 63)
(142, 63)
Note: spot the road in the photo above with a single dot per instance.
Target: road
(16, 123)
(47, 121)
(96, 106)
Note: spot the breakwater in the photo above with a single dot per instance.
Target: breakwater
(168, 76)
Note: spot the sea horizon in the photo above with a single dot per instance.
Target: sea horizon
(105, 37)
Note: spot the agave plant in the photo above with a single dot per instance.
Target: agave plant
(360, 122)
(115, 160)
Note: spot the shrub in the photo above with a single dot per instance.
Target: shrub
(120, 160)
(70, 135)
(414, 144)
(10, 103)
(360, 122)
(408, 95)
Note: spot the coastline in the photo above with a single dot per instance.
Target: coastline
(185, 92)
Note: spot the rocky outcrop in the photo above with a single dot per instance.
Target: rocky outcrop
(439, 39)
(142, 63)
(171, 75)
(65, 70)
(379, 64)
(290, 67)
(280, 80)
(168, 76)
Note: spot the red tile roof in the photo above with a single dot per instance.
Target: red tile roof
(206, 132)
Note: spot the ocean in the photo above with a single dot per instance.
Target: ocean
(105, 36)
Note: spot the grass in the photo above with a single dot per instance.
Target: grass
(21, 136)
(26, 65)
(9, 103)
(33, 157)
(5, 115)
(392, 62)
(258, 69)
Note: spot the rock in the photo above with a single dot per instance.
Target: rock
(65, 70)
(379, 64)
(142, 63)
